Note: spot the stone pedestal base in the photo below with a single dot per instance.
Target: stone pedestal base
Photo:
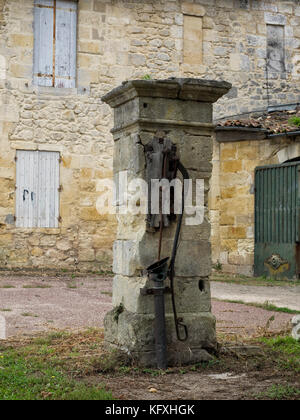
(134, 334)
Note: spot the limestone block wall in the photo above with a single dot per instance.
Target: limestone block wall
(235, 48)
(70, 121)
(232, 197)
(2, 20)
(117, 41)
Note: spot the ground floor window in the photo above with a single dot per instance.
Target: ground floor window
(37, 189)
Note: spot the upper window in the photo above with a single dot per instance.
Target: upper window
(192, 40)
(55, 35)
(275, 49)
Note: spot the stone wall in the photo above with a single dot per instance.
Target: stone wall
(72, 122)
(232, 197)
(118, 40)
(2, 20)
(235, 49)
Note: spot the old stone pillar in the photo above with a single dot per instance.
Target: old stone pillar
(182, 108)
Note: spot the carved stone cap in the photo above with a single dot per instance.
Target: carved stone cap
(200, 90)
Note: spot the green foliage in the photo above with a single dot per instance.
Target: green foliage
(147, 77)
(269, 307)
(295, 121)
(252, 281)
(218, 266)
(280, 392)
(118, 311)
(26, 376)
(266, 306)
(286, 345)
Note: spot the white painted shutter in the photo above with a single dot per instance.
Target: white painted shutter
(65, 44)
(26, 204)
(48, 186)
(37, 194)
(43, 42)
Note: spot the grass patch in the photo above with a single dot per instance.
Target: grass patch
(269, 307)
(50, 338)
(6, 310)
(295, 121)
(288, 351)
(36, 286)
(105, 273)
(107, 293)
(29, 315)
(280, 392)
(252, 281)
(7, 286)
(266, 306)
(45, 368)
(31, 379)
(286, 345)
(71, 286)
(69, 366)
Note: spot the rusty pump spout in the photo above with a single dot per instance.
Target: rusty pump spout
(158, 273)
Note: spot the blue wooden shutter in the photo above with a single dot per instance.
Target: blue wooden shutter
(55, 43)
(65, 44)
(43, 42)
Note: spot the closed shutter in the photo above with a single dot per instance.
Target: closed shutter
(275, 49)
(55, 43)
(43, 42)
(65, 52)
(193, 40)
(37, 194)
(27, 185)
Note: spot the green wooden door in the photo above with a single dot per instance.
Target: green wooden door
(277, 221)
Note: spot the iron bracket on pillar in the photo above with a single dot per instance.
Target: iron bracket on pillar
(161, 163)
(153, 291)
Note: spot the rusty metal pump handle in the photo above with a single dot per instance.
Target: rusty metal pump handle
(171, 274)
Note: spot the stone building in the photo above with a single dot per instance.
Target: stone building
(59, 57)
(241, 147)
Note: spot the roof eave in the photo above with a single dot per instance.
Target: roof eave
(234, 134)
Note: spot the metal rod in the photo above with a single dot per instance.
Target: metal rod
(161, 227)
(178, 321)
(160, 327)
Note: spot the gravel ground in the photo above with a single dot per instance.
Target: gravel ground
(35, 304)
(286, 297)
(245, 320)
(31, 304)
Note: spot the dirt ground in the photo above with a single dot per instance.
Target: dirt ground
(41, 304)
(36, 304)
(193, 386)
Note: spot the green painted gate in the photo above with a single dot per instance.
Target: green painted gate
(277, 199)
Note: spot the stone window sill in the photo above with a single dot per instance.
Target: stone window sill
(44, 90)
(45, 231)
